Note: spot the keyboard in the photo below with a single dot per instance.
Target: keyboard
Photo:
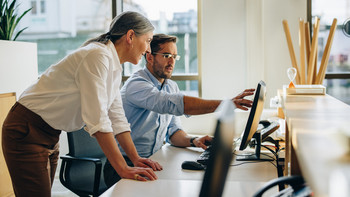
(204, 156)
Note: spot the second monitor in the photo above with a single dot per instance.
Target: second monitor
(250, 132)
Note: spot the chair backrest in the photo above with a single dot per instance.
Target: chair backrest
(81, 144)
(82, 171)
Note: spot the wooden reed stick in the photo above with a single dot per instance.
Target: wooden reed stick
(291, 50)
(325, 57)
(314, 44)
(307, 43)
(302, 50)
(314, 74)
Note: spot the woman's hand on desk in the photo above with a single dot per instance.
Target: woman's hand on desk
(143, 170)
(148, 163)
(138, 173)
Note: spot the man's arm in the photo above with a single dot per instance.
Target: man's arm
(181, 139)
(196, 106)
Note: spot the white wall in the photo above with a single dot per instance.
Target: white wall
(241, 43)
(223, 48)
(18, 66)
(275, 49)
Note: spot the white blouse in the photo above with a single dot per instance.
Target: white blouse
(81, 89)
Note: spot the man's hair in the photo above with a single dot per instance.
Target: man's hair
(159, 39)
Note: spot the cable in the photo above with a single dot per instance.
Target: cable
(272, 146)
(273, 152)
(273, 159)
(247, 162)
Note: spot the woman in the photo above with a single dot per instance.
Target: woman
(81, 89)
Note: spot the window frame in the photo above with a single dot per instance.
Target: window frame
(345, 75)
(117, 8)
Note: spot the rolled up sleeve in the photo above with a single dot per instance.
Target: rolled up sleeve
(91, 78)
(117, 115)
(144, 95)
(174, 126)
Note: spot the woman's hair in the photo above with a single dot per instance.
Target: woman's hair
(121, 24)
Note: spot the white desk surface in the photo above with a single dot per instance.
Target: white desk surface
(180, 188)
(243, 180)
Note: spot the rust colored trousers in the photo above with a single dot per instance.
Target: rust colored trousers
(30, 148)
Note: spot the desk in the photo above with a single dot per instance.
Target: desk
(313, 146)
(243, 180)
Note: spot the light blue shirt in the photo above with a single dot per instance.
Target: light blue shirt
(151, 110)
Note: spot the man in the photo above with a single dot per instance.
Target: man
(153, 104)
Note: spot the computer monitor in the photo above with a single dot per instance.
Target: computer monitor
(220, 155)
(250, 131)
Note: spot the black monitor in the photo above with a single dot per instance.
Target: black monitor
(220, 155)
(250, 131)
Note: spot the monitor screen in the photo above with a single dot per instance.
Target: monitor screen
(220, 155)
(254, 115)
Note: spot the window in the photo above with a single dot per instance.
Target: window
(42, 7)
(179, 19)
(38, 7)
(60, 27)
(34, 8)
(338, 69)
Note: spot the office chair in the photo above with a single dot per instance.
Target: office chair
(81, 168)
(298, 187)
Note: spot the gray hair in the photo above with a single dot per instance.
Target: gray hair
(121, 24)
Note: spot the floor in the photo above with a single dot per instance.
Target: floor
(58, 190)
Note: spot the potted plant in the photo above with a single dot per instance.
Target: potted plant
(10, 65)
(18, 60)
(9, 20)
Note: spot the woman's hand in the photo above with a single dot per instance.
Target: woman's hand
(147, 163)
(110, 148)
(138, 173)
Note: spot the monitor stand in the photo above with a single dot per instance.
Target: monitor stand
(257, 155)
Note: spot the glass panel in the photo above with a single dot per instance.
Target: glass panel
(179, 19)
(339, 88)
(34, 9)
(64, 27)
(188, 87)
(339, 55)
(42, 7)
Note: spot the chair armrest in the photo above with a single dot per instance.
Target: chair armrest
(97, 174)
(70, 158)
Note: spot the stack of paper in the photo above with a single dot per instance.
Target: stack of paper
(305, 90)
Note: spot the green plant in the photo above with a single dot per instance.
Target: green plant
(9, 20)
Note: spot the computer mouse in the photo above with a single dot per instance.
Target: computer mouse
(192, 165)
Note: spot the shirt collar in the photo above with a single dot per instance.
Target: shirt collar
(154, 79)
(115, 56)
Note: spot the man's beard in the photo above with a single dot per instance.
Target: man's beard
(160, 73)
